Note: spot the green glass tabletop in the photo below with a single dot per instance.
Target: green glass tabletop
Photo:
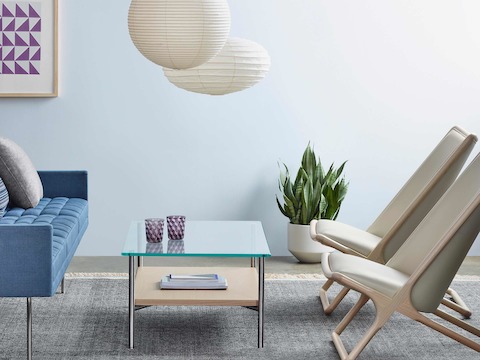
(202, 238)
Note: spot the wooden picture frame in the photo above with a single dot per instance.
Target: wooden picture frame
(28, 48)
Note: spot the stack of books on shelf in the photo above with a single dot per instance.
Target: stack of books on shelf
(194, 282)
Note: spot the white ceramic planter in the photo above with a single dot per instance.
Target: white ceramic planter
(301, 245)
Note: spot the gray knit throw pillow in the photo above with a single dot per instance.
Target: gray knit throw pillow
(19, 175)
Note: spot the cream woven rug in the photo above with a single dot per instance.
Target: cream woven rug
(268, 276)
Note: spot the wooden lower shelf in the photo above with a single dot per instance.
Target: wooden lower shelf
(242, 287)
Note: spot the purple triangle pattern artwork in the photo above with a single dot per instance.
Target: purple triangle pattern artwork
(20, 38)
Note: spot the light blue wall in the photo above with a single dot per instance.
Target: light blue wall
(375, 82)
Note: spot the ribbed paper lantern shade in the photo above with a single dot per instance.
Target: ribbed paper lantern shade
(239, 65)
(179, 34)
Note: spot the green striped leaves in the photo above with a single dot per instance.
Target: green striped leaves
(313, 194)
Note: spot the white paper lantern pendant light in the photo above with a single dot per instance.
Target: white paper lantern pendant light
(189, 39)
(239, 65)
(179, 34)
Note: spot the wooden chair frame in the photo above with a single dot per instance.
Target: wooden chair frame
(401, 301)
(378, 254)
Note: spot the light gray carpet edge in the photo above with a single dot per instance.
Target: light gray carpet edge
(90, 321)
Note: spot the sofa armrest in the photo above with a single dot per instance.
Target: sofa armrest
(72, 184)
(26, 260)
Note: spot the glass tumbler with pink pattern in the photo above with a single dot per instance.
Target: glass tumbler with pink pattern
(154, 230)
(176, 227)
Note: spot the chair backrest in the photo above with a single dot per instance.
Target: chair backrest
(437, 247)
(422, 190)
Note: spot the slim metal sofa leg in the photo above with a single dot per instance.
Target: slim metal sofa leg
(29, 328)
(62, 286)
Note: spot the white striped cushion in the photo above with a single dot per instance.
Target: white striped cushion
(3, 198)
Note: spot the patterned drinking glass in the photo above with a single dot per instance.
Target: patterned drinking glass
(176, 227)
(154, 230)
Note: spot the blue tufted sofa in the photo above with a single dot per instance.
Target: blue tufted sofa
(37, 244)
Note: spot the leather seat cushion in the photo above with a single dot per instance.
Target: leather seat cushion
(374, 275)
(359, 240)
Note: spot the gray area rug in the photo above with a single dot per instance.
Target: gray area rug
(90, 322)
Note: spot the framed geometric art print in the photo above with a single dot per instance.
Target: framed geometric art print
(28, 48)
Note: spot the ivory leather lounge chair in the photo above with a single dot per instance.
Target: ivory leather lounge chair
(413, 282)
(402, 215)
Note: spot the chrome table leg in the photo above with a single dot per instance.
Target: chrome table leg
(261, 278)
(131, 299)
(29, 328)
(140, 261)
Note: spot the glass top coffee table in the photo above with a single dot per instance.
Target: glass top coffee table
(202, 239)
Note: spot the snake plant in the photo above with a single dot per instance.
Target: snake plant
(314, 194)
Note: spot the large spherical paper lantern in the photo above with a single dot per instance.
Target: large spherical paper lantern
(179, 34)
(239, 65)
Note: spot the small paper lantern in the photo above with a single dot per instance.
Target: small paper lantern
(179, 34)
(239, 65)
